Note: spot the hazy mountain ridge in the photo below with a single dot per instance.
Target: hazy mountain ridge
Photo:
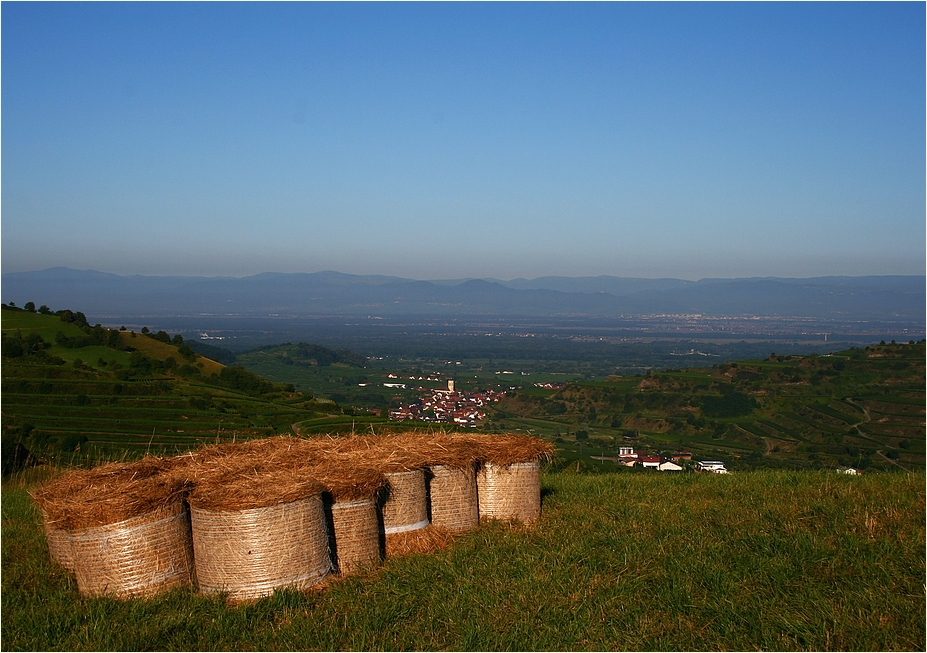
(335, 293)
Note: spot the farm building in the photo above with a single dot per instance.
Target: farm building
(713, 466)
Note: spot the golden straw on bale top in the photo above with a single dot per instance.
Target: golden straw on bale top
(84, 498)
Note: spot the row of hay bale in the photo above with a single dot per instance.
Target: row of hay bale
(248, 518)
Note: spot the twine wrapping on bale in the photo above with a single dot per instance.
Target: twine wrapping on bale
(256, 531)
(250, 553)
(59, 543)
(406, 507)
(454, 504)
(510, 492)
(356, 529)
(137, 557)
(124, 526)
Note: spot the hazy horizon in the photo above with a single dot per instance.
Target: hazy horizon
(461, 279)
(447, 141)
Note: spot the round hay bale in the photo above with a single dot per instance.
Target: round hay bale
(352, 487)
(122, 528)
(356, 527)
(249, 553)
(510, 492)
(137, 557)
(454, 503)
(59, 543)
(259, 529)
(406, 507)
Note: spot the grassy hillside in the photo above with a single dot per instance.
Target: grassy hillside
(761, 560)
(329, 373)
(73, 393)
(861, 407)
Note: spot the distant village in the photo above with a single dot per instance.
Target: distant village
(448, 406)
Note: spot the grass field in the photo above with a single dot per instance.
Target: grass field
(759, 560)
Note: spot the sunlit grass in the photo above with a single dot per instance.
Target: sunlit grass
(761, 560)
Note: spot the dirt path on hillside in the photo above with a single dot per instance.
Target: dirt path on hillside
(894, 462)
(862, 408)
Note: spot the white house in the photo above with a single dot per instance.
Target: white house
(669, 467)
(713, 466)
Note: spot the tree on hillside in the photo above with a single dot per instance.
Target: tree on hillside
(238, 378)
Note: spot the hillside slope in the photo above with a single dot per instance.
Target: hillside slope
(860, 407)
(75, 391)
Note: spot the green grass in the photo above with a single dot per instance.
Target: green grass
(760, 560)
(45, 325)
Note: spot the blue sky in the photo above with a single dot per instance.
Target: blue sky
(465, 140)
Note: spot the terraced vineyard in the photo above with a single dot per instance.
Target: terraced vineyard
(66, 399)
(860, 407)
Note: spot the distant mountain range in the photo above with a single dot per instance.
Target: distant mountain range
(334, 293)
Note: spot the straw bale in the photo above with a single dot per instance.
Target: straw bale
(508, 448)
(258, 485)
(219, 460)
(356, 530)
(249, 553)
(137, 557)
(87, 498)
(454, 503)
(344, 476)
(59, 543)
(424, 540)
(441, 448)
(406, 507)
(510, 492)
(290, 459)
(387, 453)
